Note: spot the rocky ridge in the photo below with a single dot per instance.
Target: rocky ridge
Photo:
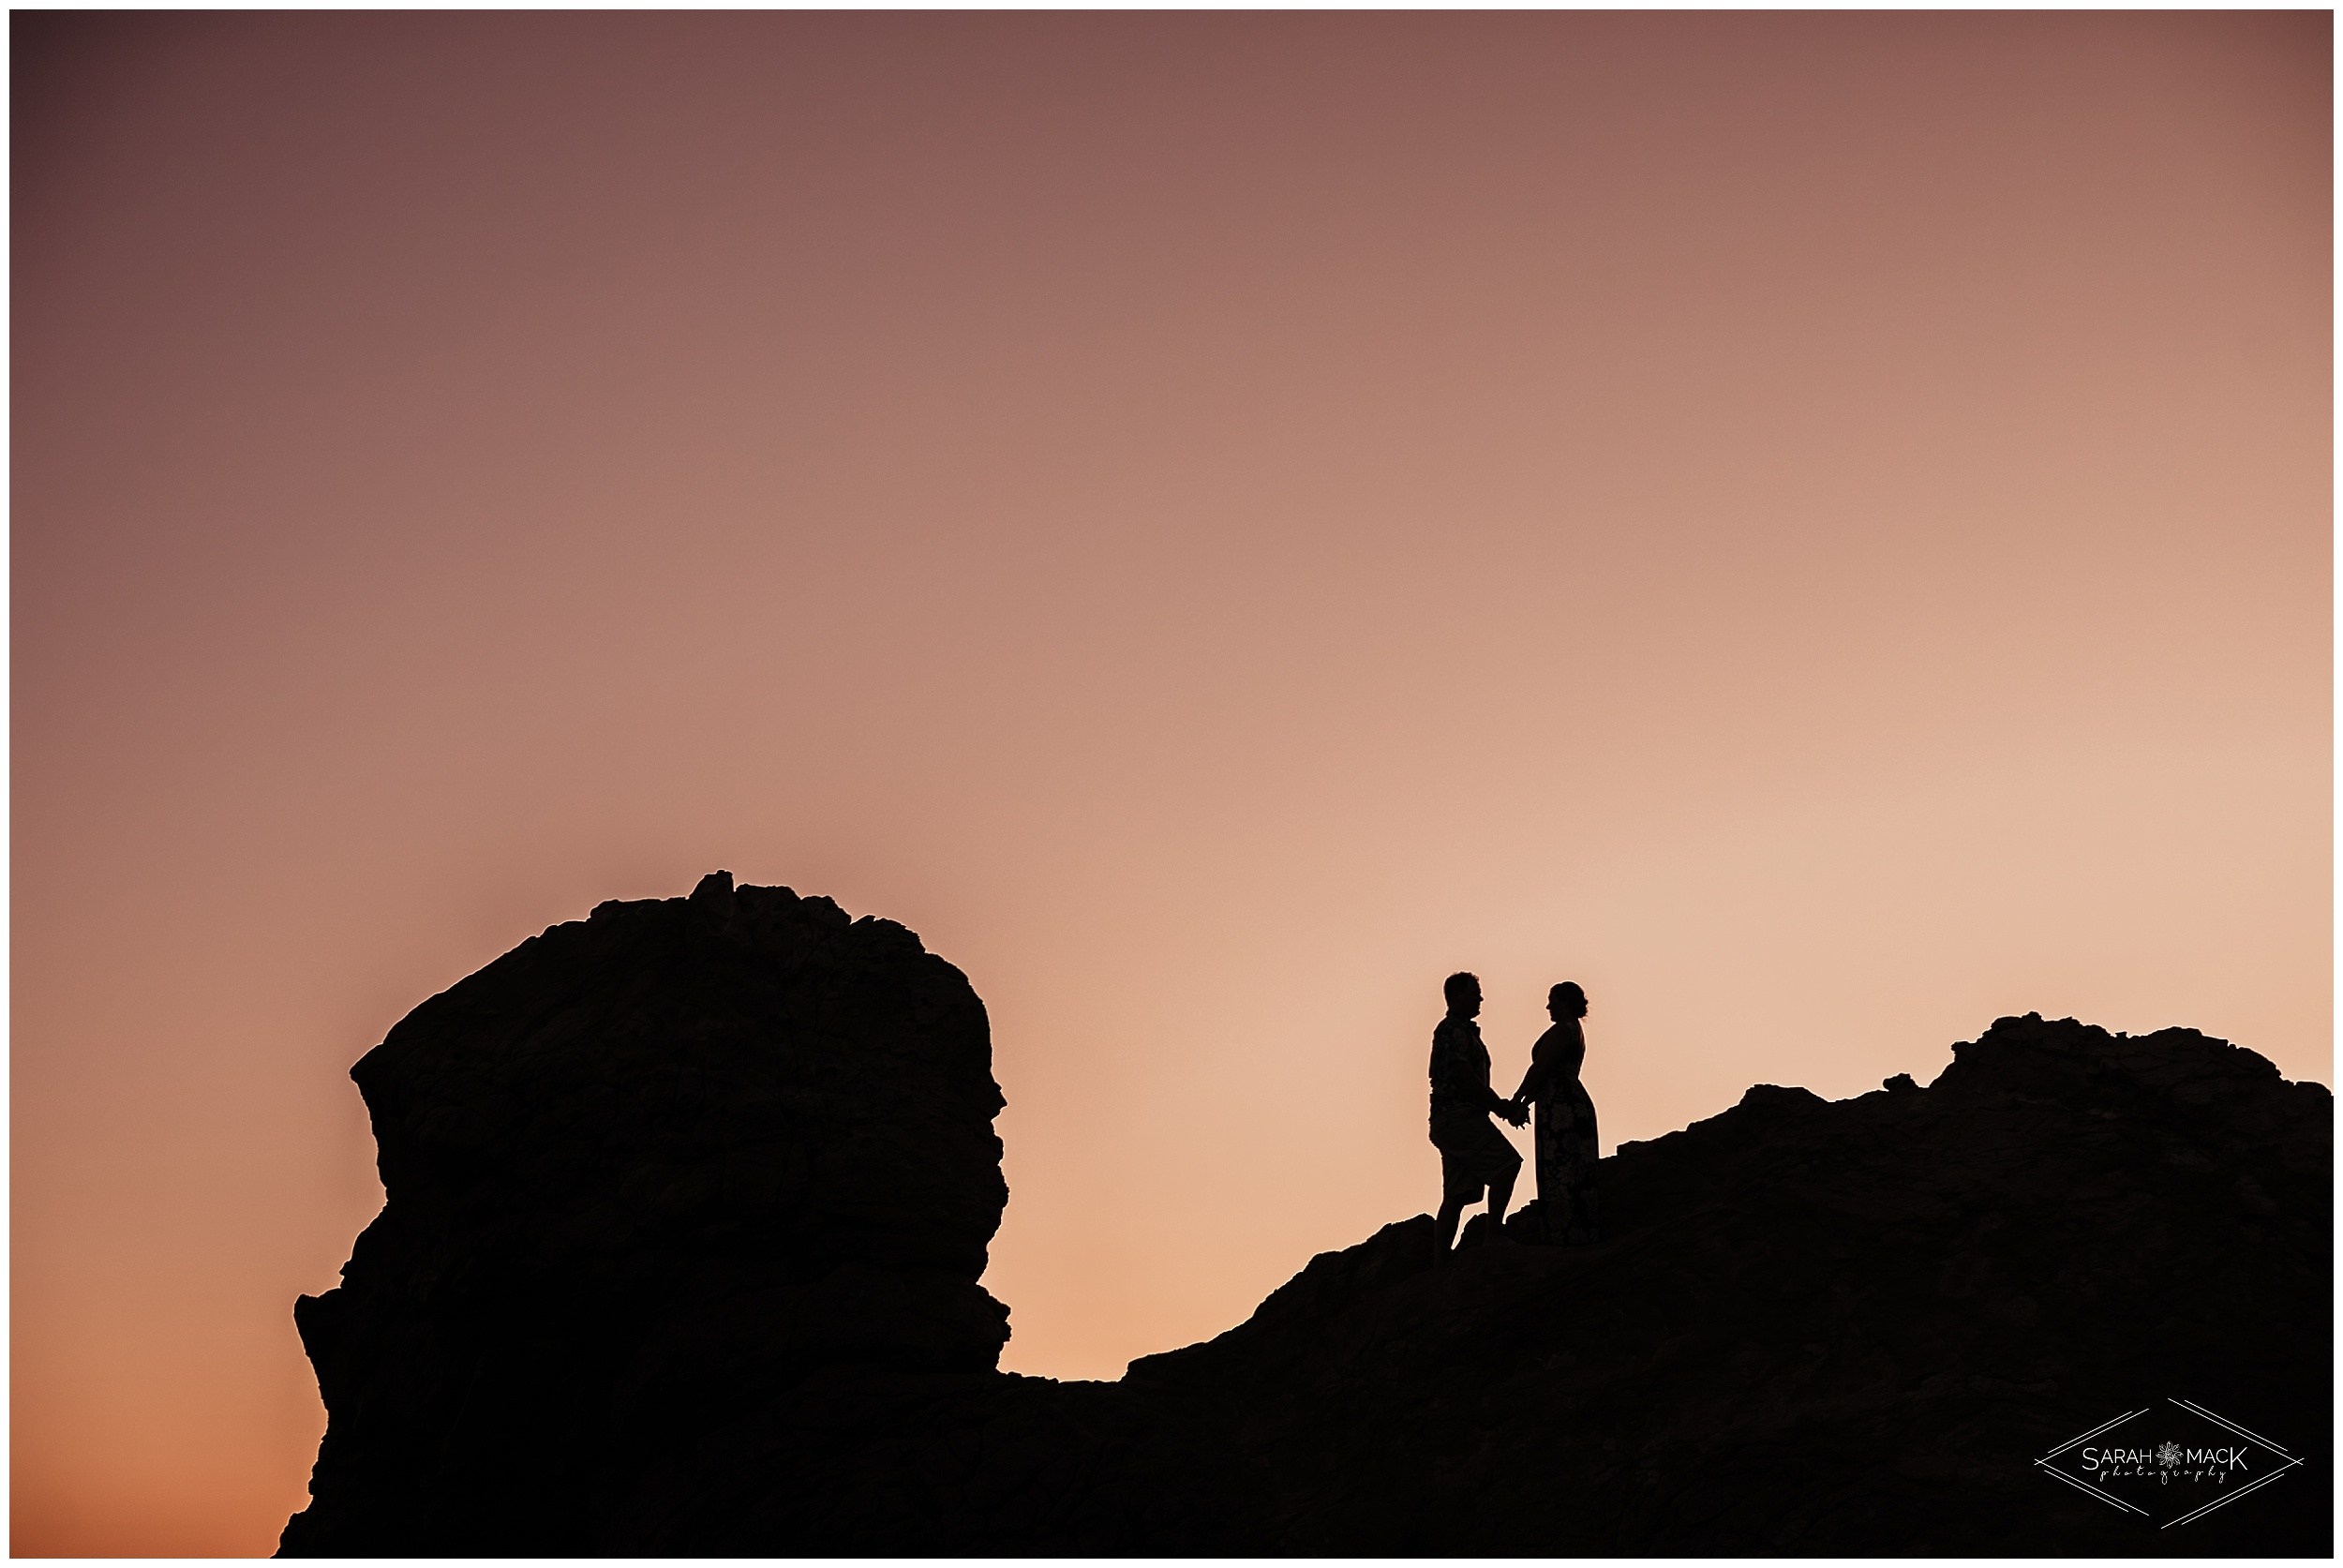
(1825, 1328)
(687, 1203)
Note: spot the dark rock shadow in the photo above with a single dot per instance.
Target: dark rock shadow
(687, 1204)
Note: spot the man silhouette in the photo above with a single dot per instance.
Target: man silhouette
(1473, 1154)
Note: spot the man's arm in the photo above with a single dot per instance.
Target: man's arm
(1450, 1076)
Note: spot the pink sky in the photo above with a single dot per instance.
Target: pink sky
(1816, 526)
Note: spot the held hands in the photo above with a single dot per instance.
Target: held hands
(1515, 1113)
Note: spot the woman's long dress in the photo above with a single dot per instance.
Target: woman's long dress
(1566, 1141)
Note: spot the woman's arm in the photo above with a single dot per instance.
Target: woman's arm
(1534, 1082)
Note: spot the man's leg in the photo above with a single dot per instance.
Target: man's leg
(1444, 1224)
(1502, 1194)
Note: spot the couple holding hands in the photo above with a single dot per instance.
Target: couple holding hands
(1474, 1156)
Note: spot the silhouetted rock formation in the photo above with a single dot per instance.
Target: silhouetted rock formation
(686, 1204)
(685, 1207)
(1826, 1328)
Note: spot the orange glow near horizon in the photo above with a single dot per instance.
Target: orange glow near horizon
(1816, 526)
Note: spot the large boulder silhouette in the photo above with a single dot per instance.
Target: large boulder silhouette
(685, 1207)
(687, 1203)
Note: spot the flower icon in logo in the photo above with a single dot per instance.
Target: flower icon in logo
(2168, 1456)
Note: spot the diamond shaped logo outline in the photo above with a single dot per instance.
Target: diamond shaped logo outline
(2288, 1462)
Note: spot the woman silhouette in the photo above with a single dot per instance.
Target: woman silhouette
(1567, 1149)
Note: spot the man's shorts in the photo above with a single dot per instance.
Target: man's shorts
(1472, 1154)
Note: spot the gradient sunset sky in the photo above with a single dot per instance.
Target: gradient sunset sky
(1816, 526)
